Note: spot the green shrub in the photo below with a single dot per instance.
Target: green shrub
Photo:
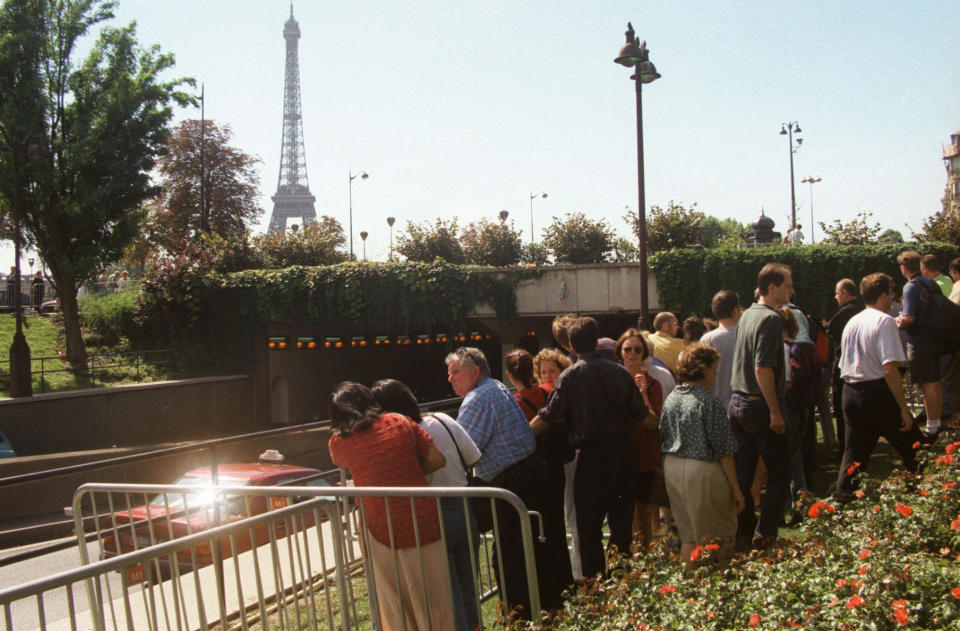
(110, 316)
(687, 279)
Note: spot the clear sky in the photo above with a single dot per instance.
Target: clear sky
(462, 109)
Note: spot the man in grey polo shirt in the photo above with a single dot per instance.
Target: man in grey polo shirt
(726, 309)
(758, 382)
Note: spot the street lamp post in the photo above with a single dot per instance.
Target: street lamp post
(363, 237)
(811, 181)
(390, 222)
(634, 54)
(788, 129)
(362, 175)
(532, 197)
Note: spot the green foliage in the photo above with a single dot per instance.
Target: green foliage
(885, 559)
(182, 304)
(96, 125)
(109, 316)
(489, 243)
(688, 278)
(895, 236)
(318, 243)
(669, 228)
(576, 239)
(716, 232)
(425, 243)
(857, 231)
(624, 251)
(534, 254)
(941, 227)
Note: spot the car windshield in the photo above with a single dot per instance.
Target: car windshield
(201, 498)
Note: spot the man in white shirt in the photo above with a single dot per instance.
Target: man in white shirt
(726, 309)
(873, 400)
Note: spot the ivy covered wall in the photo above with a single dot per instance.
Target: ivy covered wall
(687, 279)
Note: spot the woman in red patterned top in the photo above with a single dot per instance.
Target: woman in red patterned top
(384, 449)
(646, 437)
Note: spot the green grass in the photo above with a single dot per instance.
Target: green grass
(52, 374)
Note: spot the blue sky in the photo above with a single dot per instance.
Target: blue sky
(463, 108)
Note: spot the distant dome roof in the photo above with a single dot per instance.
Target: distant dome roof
(764, 222)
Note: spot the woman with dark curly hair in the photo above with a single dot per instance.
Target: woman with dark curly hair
(698, 446)
(409, 561)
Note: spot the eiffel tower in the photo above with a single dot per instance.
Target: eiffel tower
(293, 198)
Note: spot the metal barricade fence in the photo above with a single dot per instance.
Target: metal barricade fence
(298, 564)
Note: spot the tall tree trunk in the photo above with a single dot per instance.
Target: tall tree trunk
(76, 351)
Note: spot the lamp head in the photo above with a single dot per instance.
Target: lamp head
(504, 214)
(783, 130)
(390, 221)
(364, 175)
(363, 234)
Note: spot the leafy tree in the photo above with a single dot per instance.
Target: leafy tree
(534, 254)
(577, 239)
(491, 243)
(942, 226)
(317, 243)
(231, 185)
(890, 236)
(857, 231)
(624, 251)
(715, 232)
(99, 125)
(669, 228)
(426, 243)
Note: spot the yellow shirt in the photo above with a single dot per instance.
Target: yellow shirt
(667, 349)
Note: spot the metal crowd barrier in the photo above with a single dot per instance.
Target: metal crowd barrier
(298, 565)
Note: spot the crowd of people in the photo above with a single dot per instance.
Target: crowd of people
(710, 434)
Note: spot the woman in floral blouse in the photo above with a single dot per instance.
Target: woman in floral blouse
(698, 447)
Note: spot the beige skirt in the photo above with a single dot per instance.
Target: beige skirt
(701, 499)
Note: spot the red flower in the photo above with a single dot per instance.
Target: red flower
(864, 555)
(924, 492)
(695, 553)
(955, 592)
(863, 570)
(949, 485)
(950, 448)
(876, 508)
(667, 589)
(853, 467)
(856, 585)
(948, 459)
(754, 619)
(903, 509)
(817, 507)
(916, 445)
(899, 604)
(841, 582)
(855, 602)
(711, 547)
(902, 617)
(833, 601)
(859, 493)
(955, 524)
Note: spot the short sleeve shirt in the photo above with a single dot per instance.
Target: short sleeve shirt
(388, 453)
(759, 343)
(914, 306)
(454, 443)
(723, 339)
(694, 424)
(498, 427)
(870, 340)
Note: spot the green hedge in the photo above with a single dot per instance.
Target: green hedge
(687, 279)
(109, 316)
(214, 315)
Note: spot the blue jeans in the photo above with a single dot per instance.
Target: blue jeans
(460, 540)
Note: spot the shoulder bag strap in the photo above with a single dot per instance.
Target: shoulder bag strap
(455, 445)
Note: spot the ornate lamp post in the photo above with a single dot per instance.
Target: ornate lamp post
(532, 197)
(788, 129)
(362, 175)
(363, 237)
(811, 181)
(390, 222)
(634, 54)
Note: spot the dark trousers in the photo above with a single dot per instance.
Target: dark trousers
(750, 419)
(528, 480)
(838, 405)
(870, 411)
(605, 485)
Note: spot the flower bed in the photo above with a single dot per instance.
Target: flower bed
(888, 558)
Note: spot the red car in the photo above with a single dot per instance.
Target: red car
(175, 515)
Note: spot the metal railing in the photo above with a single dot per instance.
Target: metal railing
(299, 564)
(99, 365)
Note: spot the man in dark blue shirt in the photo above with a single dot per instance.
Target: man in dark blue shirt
(600, 404)
(923, 345)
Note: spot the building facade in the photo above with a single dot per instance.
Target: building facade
(951, 160)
